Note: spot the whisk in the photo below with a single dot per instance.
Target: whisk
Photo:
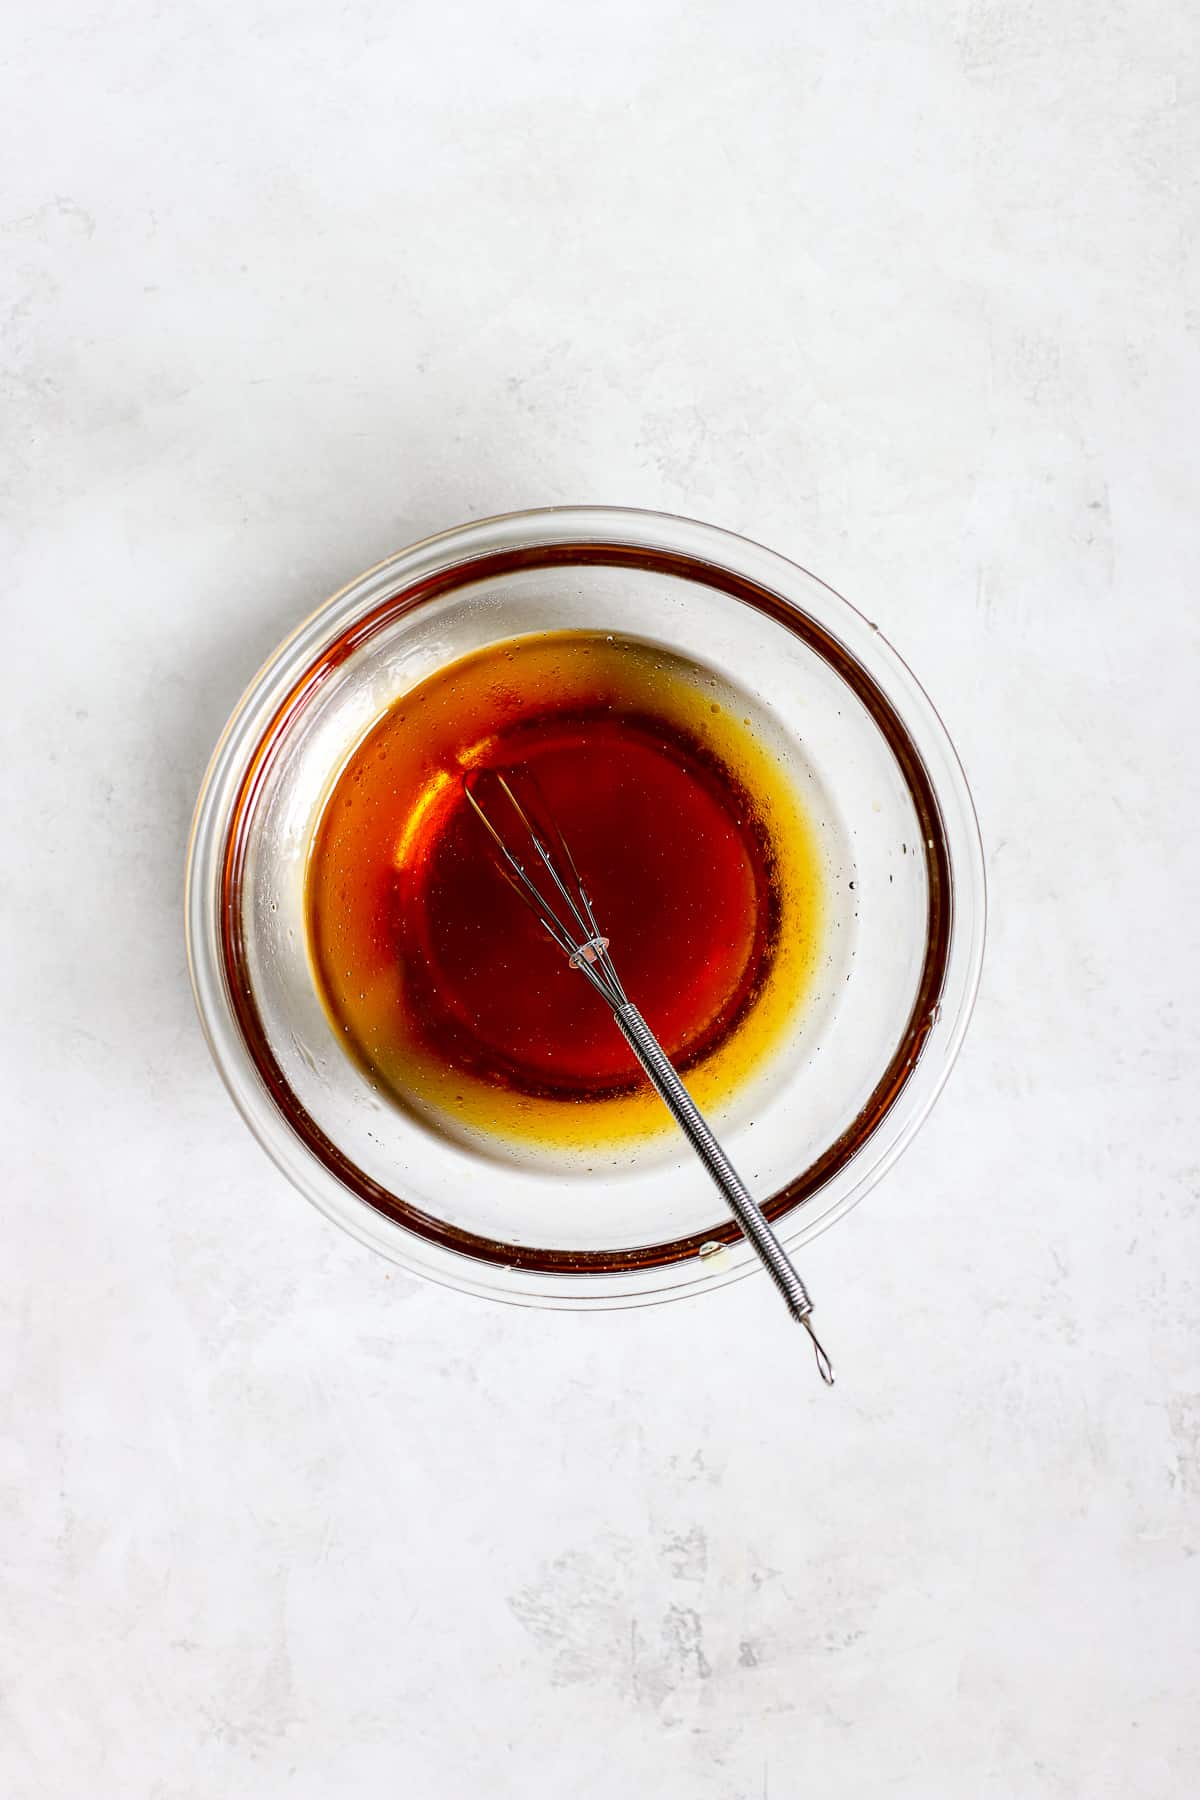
(534, 856)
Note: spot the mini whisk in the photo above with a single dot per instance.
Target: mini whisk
(536, 860)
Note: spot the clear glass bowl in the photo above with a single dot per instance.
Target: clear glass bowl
(853, 1078)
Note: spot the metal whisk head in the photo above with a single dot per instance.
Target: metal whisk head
(536, 860)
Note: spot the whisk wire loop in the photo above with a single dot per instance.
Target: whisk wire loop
(577, 933)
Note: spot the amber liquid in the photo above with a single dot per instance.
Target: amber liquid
(703, 872)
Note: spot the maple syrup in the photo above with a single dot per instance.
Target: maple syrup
(702, 867)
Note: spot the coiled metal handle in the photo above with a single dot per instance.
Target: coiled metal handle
(754, 1223)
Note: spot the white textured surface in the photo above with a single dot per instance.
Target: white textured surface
(901, 290)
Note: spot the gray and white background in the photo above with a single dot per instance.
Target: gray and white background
(908, 292)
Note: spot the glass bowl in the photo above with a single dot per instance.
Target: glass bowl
(853, 1076)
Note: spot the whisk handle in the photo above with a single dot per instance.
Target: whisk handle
(744, 1207)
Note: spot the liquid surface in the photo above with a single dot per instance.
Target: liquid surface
(702, 869)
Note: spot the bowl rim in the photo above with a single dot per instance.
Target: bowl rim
(613, 536)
